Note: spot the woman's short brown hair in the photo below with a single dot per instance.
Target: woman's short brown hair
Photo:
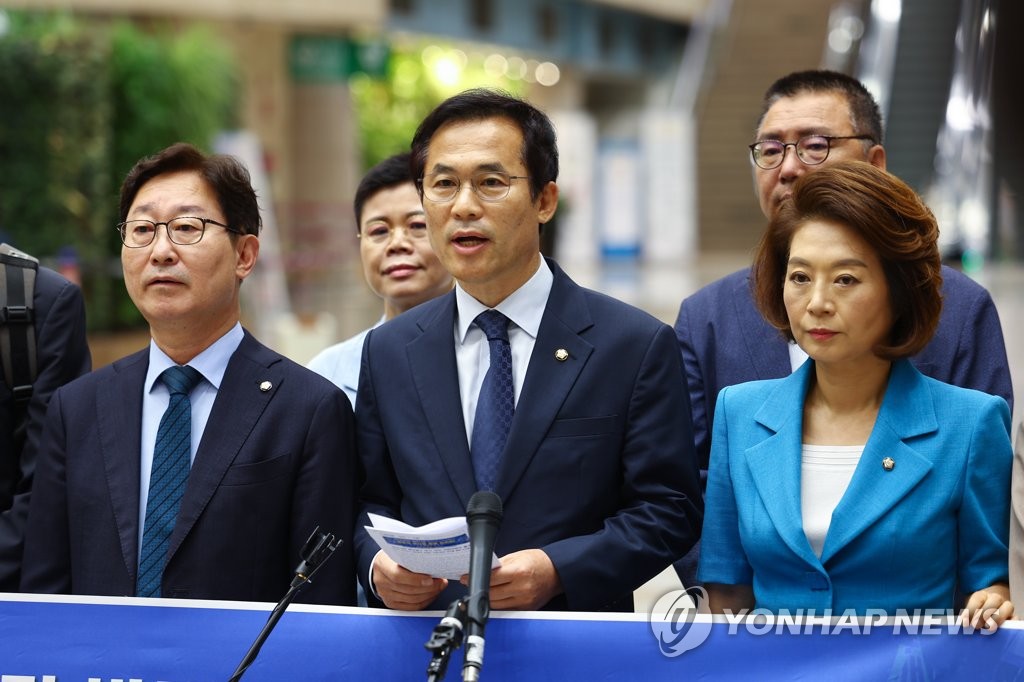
(889, 216)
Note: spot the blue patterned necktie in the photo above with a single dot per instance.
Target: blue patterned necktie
(496, 402)
(167, 478)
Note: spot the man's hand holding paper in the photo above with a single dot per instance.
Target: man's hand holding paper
(415, 564)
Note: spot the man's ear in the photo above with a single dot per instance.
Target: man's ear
(547, 202)
(876, 156)
(246, 251)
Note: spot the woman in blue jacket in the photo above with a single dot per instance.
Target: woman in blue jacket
(856, 484)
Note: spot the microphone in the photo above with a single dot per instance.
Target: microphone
(314, 554)
(483, 516)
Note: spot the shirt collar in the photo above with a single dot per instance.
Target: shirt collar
(524, 306)
(211, 363)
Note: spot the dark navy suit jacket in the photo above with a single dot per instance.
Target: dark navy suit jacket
(272, 465)
(598, 470)
(62, 354)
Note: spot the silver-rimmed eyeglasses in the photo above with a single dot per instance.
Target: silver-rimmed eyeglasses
(183, 230)
(488, 185)
(811, 149)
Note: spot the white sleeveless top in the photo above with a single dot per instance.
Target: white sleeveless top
(825, 473)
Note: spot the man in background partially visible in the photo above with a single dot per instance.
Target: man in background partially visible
(55, 324)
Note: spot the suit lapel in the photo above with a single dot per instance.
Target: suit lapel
(767, 348)
(239, 404)
(774, 463)
(120, 432)
(435, 375)
(548, 380)
(873, 490)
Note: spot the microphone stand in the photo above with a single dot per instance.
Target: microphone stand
(315, 553)
(446, 638)
(478, 610)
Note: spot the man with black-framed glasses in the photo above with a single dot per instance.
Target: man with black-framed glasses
(197, 467)
(810, 119)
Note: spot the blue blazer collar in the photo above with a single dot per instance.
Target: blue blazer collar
(907, 411)
(774, 462)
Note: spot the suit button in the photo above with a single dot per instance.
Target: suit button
(817, 582)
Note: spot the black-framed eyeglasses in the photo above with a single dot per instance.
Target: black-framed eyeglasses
(488, 185)
(183, 230)
(810, 149)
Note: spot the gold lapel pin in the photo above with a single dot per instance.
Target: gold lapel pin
(888, 463)
(561, 355)
(266, 386)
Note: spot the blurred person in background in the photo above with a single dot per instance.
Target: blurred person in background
(54, 323)
(398, 263)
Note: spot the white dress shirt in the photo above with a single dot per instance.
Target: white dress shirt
(525, 308)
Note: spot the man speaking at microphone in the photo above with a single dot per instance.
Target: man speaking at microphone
(568, 404)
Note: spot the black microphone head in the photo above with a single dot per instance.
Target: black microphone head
(484, 503)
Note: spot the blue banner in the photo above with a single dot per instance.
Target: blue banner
(69, 639)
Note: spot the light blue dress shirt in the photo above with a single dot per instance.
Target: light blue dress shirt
(340, 363)
(211, 363)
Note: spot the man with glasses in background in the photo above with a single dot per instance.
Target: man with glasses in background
(197, 467)
(567, 404)
(810, 119)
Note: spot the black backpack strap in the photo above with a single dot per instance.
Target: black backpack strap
(17, 321)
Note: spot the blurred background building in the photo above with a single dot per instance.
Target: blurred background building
(654, 102)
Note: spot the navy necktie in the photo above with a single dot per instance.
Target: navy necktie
(167, 478)
(496, 402)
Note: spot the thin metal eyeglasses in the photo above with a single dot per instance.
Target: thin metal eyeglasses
(811, 149)
(488, 185)
(183, 231)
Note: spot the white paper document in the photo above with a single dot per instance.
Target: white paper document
(439, 549)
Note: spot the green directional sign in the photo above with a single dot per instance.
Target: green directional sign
(326, 59)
